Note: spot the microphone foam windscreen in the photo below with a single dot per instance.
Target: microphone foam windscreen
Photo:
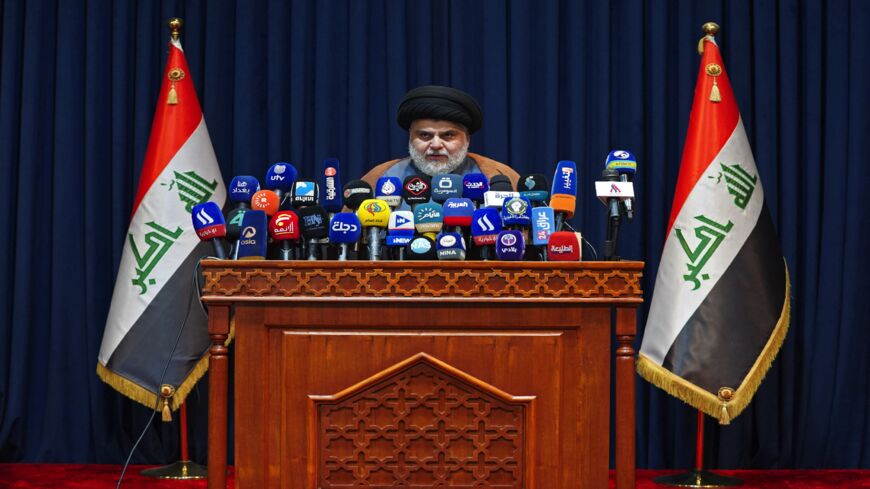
(389, 189)
(474, 185)
(253, 237)
(563, 246)
(284, 225)
(517, 212)
(501, 183)
(564, 203)
(208, 221)
(416, 189)
(543, 220)
(445, 186)
(421, 248)
(565, 178)
(280, 176)
(234, 223)
(355, 192)
(314, 221)
(345, 228)
(458, 212)
(428, 217)
(401, 223)
(330, 198)
(485, 226)
(510, 246)
(450, 246)
(374, 213)
(266, 201)
(242, 188)
(622, 161)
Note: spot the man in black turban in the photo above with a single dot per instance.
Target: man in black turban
(440, 122)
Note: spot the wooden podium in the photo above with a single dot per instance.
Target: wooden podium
(422, 374)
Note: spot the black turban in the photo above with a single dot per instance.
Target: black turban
(442, 103)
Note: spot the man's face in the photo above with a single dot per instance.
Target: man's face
(437, 146)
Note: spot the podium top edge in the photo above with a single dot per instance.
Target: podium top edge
(445, 265)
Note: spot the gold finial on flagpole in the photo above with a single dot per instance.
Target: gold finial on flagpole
(175, 25)
(710, 29)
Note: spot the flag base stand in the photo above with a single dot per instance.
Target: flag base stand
(698, 478)
(183, 470)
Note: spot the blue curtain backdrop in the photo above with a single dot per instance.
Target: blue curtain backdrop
(304, 80)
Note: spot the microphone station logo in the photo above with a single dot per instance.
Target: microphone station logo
(329, 172)
(530, 183)
(621, 154)
(614, 189)
(374, 208)
(485, 224)
(313, 220)
(284, 225)
(305, 189)
(355, 190)
(340, 226)
(416, 186)
(562, 249)
(388, 188)
(421, 245)
(472, 185)
(248, 233)
(203, 217)
(401, 220)
(428, 213)
(447, 240)
(278, 172)
(458, 204)
(516, 207)
(445, 183)
(508, 239)
(566, 177)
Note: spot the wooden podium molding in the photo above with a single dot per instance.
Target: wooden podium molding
(422, 374)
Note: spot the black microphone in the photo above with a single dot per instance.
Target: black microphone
(609, 248)
(500, 183)
(355, 192)
(626, 164)
(315, 226)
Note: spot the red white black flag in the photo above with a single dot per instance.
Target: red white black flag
(154, 290)
(720, 307)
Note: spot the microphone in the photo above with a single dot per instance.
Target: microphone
(450, 246)
(345, 228)
(626, 164)
(421, 248)
(416, 189)
(389, 189)
(474, 185)
(500, 183)
(242, 188)
(374, 214)
(542, 227)
(458, 212)
(330, 199)
(304, 193)
(485, 226)
(428, 217)
(280, 178)
(253, 237)
(266, 201)
(284, 229)
(517, 212)
(315, 224)
(534, 187)
(401, 230)
(609, 248)
(563, 246)
(355, 192)
(234, 230)
(563, 198)
(445, 186)
(208, 221)
(510, 246)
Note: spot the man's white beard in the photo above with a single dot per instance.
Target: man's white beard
(433, 168)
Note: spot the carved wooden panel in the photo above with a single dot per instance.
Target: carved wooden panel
(421, 424)
(440, 280)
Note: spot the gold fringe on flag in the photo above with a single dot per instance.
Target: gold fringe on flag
(723, 407)
(149, 399)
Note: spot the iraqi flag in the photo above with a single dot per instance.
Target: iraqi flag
(154, 290)
(720, 307)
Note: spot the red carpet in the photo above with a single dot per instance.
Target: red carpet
(45, 476)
